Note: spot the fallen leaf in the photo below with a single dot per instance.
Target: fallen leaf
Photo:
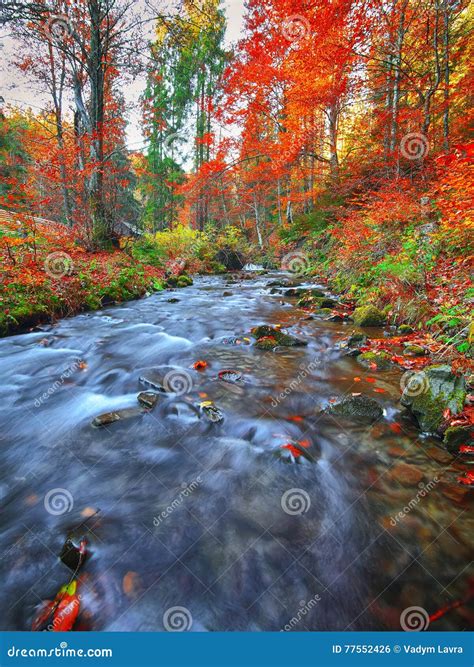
(131, 584)
(200, 365)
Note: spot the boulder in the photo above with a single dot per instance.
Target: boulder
(275, 336)
(429, 393)
(368, 316)
(357, 408)
(231, 259)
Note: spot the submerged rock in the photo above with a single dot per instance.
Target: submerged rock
(368, 316)
(429, 393)
(357, 408)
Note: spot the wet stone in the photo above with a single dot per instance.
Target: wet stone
(148, 399)
(117, 415)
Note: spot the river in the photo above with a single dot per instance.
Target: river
(206, 521)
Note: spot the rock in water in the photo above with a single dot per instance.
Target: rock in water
(148, 399)
(229, 376)
(379, 361)
(118, 415)
(368, 316)
(268, 338)
(231, 259)
(429, 393)
(74, 552)
(211, 411)
(357, 408)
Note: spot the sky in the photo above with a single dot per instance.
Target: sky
(16, 90)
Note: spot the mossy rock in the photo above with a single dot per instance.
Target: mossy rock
(368, 316)
(356, 340)
(455, 436)
(381, 359)
(265, 331)
(357, 408)
(266, 343)
(184, 281)
(405, 329)
(429, 393)
(414, 351)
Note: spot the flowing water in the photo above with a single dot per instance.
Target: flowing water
(207, 516)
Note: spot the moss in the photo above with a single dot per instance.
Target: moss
(184, 281)
(380, 359)
(414, 351)
(455, 436)
(429, 411)
(266, 343)
(368, 316)
(405, 329)
(266, 332)
(442, 390)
